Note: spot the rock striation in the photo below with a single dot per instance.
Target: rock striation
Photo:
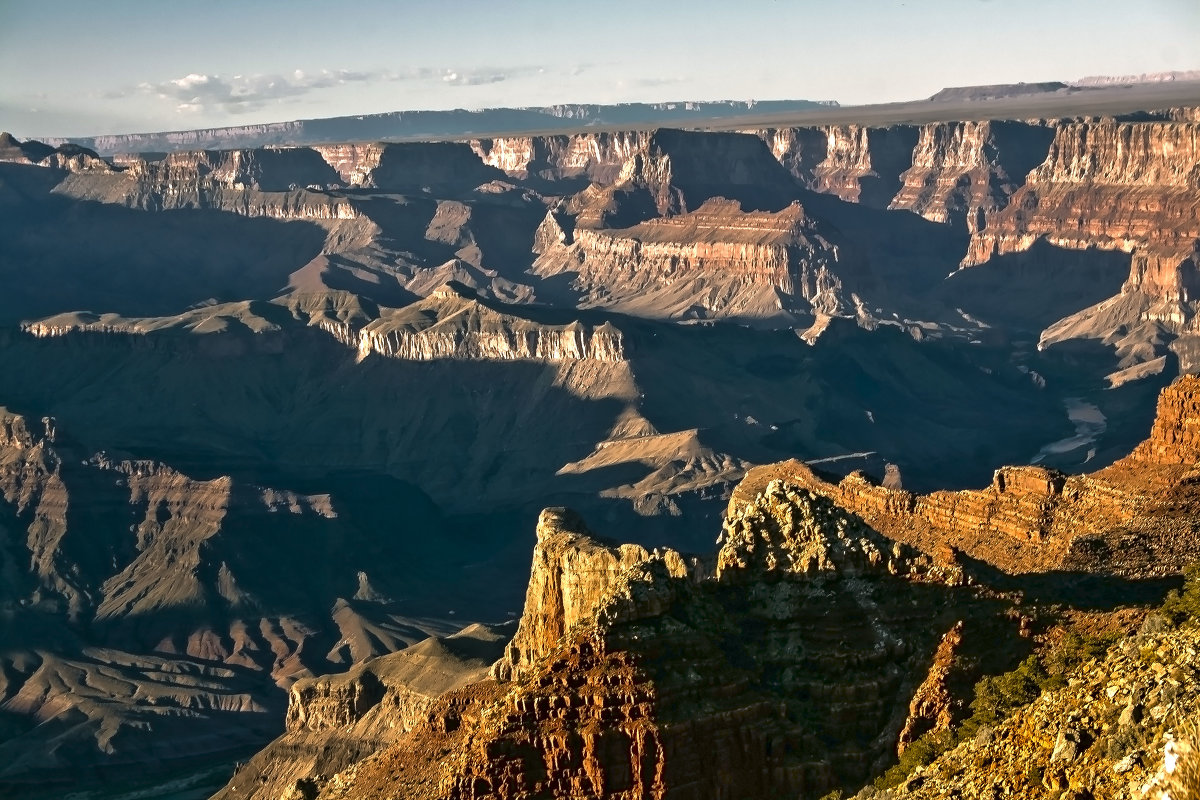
(782, 672)
(597, 156)
(1135, 518)
(965, 171)
(454, 324)
(863, 164)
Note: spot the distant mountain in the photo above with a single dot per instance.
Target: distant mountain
(439, 124)
(1145, 77)
(994, 91)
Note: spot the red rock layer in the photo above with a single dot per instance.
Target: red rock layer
(1139, 517)
(1116, 186)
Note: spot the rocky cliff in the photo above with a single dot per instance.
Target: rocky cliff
(454, 323)
(784, 672)
(1092, 191)
(1135, 518)
(1132, 187)
(963, 172)
(597, 156)
(863, 164)
(717, 261)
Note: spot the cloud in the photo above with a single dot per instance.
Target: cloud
(452, 77)
(240, 93)
(197, 93)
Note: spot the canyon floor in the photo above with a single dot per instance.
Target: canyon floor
(277, 424)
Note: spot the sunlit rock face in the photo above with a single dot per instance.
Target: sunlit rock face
(962, 172)
(862, 164)
(1109, 185)
(596, 156)
(453, 324)
(1135, 518)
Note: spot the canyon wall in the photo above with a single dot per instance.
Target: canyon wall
(963, 172)
(597, 156)
(633, 675)
(453, 324)
(1135, 518)
(1109, 185)
(863, 164)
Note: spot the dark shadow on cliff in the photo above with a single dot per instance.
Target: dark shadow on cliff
(1037, 287)
(58, 254)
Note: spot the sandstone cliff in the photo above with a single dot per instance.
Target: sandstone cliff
(1132, 187)
(1135, 518)
(717, 261)
(597, 156)
(453, 323)
(863, 165)
(963, 172)
(632, 675)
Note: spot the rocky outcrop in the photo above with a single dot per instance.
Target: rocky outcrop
(572, 575)
(964, 171)
(454, 324)
(786, 672)
(1124, 726)
(597, 156)
(717, 261)
(863, 164)
(1135, 518)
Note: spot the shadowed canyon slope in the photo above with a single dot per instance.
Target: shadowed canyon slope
(275, 411)
(787, 664)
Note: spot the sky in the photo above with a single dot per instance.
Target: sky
(77, 68)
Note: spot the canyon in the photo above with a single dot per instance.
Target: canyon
(282, 406)
(636, 673)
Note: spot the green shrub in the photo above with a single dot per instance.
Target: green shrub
(997, 695)
(920, 753)
(1181, 606)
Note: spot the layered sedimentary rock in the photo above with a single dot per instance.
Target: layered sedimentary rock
(786, 672)
(137, 622)
(863, 164)
(191, 184)
(411, 166)
(1135, 518)
(716, 261)
(572, 574)
(453, 323)
(66, 157)
(1131, 187)
(1109, 185)
(335, 721)
(597, 156)
(962, 172)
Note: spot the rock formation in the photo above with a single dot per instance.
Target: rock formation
(597, 156)
(963, 172)
(634, 675)
(453, 323)
(1136, 518)
(1123, 727)
(863, 165)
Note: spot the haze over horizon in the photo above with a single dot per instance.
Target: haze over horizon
(143, 66)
